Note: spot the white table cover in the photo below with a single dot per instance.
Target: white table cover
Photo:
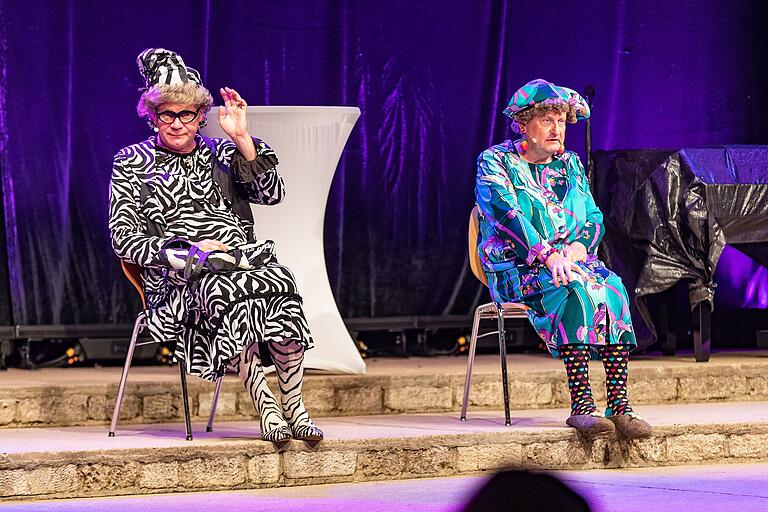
(308, 142)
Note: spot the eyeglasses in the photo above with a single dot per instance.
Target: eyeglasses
(185, 116)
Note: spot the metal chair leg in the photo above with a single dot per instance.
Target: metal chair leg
(138, 325)
(185, 399)
(470, 363)
(503, 355)
(214, 403)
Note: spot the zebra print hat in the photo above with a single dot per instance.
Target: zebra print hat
(159, 66)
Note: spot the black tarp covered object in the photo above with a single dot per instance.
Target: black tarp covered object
(669, 213)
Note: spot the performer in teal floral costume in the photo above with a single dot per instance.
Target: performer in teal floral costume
(540, 229)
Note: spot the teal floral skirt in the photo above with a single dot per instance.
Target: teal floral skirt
(592, 311)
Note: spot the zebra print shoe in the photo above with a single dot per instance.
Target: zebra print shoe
(278, 435)
(307, 432)
(273, 426)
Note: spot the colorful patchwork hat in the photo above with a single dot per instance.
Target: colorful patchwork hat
(159, 66)
(541, 91)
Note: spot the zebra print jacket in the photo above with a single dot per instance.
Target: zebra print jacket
(139, 233)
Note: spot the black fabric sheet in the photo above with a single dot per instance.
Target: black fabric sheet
(669, 213)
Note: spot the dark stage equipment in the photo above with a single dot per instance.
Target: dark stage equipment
(762, 339)
(37, 346)
(432, 335)
(589, 95)
(31, 355)
(6, 348)
(668, 216)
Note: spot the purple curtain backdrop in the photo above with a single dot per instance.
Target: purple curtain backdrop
(431, 79)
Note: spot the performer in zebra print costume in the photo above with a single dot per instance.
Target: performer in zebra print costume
(180, 208)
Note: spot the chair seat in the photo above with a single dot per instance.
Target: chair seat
(509, 310)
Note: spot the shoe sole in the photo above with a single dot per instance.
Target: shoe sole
(627, 435)
(279, 441)
(605, 431)
(310, 438)
(595, 433)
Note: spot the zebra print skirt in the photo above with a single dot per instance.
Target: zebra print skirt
(219, 315)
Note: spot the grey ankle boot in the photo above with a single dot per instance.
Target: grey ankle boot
(592, 425)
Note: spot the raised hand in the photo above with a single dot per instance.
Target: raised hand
(232, 117)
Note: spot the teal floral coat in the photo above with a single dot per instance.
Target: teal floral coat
(525, 210)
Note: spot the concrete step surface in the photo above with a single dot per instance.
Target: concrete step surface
(147, 459)
(85, 396)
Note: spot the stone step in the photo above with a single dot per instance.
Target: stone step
(85, 396)
(83, 462)
(723, 487)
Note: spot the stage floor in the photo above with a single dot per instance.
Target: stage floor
(390, 367)
(369, 428)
